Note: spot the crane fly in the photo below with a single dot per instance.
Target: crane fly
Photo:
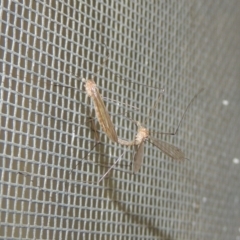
(100, 109)
(143, 134)
(99, 106)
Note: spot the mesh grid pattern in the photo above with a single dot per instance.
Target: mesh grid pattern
(180, 46)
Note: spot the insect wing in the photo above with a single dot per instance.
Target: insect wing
(104, 118)
(170, 150)
(138, 158)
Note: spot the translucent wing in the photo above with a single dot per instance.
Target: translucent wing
(138, 158)
(170, 150)
(103, 117)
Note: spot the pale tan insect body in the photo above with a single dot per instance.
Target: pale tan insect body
(142, 134)
(100, 109)
(91, 87)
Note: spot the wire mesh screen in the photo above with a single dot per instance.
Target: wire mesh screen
(53, 151)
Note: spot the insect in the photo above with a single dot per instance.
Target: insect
(102, 114)
(143, 135)
(100, 109)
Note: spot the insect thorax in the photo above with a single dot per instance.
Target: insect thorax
(90, 87)
(142, 135)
